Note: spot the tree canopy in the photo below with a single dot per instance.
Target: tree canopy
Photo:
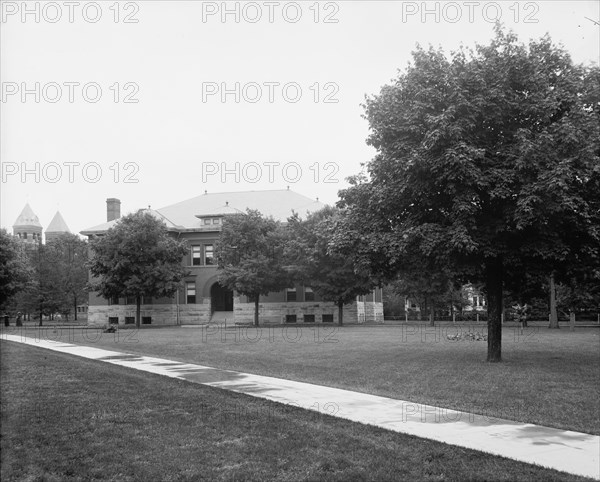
(332, 275)
(487, 163)
(136, 258)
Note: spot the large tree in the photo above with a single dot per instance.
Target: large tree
(250, 256)
(333, 276)
(137, 257)
(487, 161)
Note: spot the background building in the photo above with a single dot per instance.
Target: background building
(28, 228)
(202, 299)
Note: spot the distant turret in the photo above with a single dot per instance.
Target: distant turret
(27, 226)
(57, 227)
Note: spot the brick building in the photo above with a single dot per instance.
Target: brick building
(202, 299)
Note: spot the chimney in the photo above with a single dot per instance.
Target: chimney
(113, 209)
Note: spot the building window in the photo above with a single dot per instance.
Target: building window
(290, 318)
(146, 300)
(216, 221)
(129, 320)
(478, 301)
(190, 291)
(309, 294)
(146, 320)
(309, 318)
(196, 255)
(113, 320)
(290, 294)
(327, 318)
(113, 300)
(209, 255)
(206, 221)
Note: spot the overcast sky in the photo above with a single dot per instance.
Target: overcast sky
(154, 102)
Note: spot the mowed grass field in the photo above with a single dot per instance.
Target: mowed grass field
(548, 377)
(66, 418)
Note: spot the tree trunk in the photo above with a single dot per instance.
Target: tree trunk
(553, 314)
(256, 299)
(493, 281)
(431, 315)
(75, 306)
(340, 313)
(138, 311)
(572, 320)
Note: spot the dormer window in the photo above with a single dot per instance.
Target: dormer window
(207, 221)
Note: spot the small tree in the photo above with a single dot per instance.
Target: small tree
(250, 256)
(331, 275)
(15, 270)
(430, 288)
(137, 258)
(51, 295)
(71, 265)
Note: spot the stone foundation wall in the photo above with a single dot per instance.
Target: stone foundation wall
(357, 312)
(160, 314)
(273, 313)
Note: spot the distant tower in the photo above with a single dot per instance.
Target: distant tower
(56, 227)
(27, 226)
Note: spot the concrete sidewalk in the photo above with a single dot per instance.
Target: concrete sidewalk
(573, 452)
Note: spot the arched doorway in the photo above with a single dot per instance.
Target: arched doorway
(221, 299)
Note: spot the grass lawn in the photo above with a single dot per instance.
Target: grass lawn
(67, 418)
(549, 377)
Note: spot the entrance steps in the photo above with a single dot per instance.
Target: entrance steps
(221, 318)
